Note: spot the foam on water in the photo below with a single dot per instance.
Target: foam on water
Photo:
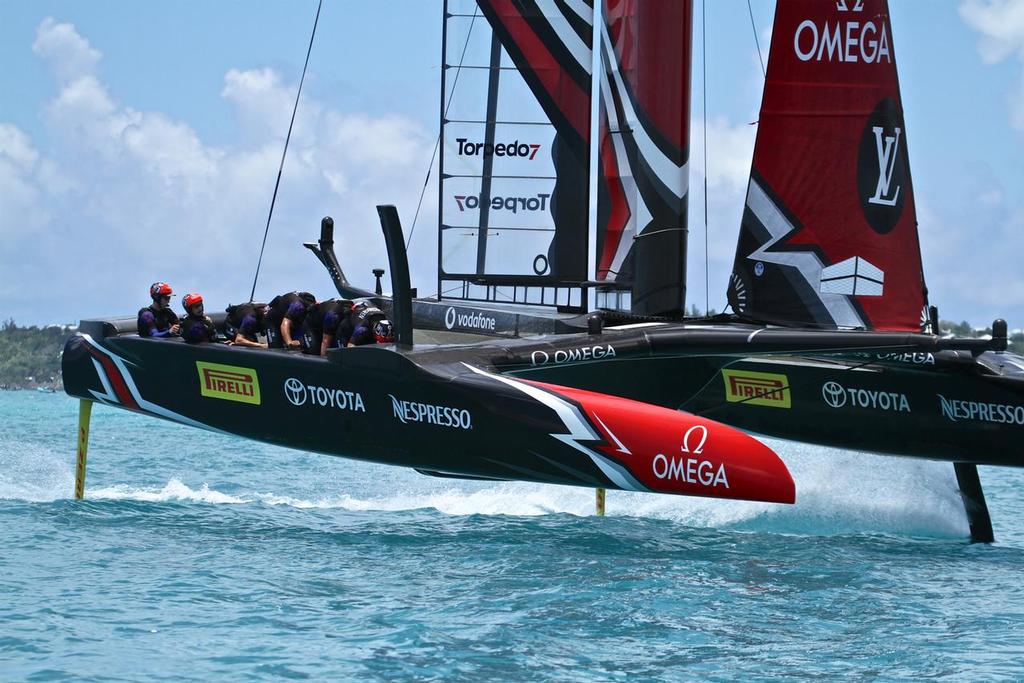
(838, 492)
(202, 557)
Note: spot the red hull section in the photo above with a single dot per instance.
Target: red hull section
(669, 451)
(829, 235)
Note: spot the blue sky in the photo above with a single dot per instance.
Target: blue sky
(140, 142)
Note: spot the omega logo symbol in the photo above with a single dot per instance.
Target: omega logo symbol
(699, 434)
(295, 391)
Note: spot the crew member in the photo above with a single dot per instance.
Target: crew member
(285, 315)
(244, 323)
(366, 327)
(320, 329)
(196, 327)
(349, 323)
(157, 319)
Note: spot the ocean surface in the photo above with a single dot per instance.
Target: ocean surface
(197, 556)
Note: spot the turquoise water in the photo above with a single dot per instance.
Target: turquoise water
(201, 557)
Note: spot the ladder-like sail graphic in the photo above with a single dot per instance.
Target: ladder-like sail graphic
(644, 118)
(829, 231)
(514, 190)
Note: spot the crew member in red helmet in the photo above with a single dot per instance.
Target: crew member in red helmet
(197, 327)
(157, 319)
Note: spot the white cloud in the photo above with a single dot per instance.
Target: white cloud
(124, 197)
(68, 54)
(1001, 25)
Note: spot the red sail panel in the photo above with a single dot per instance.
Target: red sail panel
(644, 116)
(829, 232)
(555, 75)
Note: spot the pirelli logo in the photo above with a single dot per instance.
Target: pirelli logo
(757, 388)
(229, 383)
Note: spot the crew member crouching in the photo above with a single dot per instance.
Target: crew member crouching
(243, 324)
(157, 319)
(320, 329)
(284, 318)
(196, 327)
(371, 327)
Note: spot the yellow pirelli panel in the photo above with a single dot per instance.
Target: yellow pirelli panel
(228, 382)
(757, 388)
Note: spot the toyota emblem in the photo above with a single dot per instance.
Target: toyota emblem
(834, 394)
(295, 391)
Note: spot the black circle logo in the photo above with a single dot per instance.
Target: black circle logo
(883, 179)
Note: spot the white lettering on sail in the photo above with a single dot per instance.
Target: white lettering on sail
(887, 147)
(844, 41)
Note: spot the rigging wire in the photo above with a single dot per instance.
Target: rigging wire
(756, 41)
(280, 168)
(704, 88)
(437, 142)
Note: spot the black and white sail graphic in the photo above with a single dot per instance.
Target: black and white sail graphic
(514, 191)
(643, 155)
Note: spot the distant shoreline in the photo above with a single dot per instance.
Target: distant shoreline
(30, 356)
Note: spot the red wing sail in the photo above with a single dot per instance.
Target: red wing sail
(829, 231)
(644, 117)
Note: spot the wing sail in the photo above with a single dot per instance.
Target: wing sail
(516, 138)
(829, 232)
(644, 117)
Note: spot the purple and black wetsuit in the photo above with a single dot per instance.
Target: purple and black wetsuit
(156, 322)
(246, 320)
(196, 330)
(292, 306)
(323, 318)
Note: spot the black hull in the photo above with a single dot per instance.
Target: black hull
(440, 411)
(950, 411)
(907, 397)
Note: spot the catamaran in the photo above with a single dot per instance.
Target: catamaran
(567, 358)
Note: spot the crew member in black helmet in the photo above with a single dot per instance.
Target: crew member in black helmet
(243, 324)
(196, 327)
(285, 315)
(320, 330)
(157, 319)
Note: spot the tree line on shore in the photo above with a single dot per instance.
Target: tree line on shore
(30, 356)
